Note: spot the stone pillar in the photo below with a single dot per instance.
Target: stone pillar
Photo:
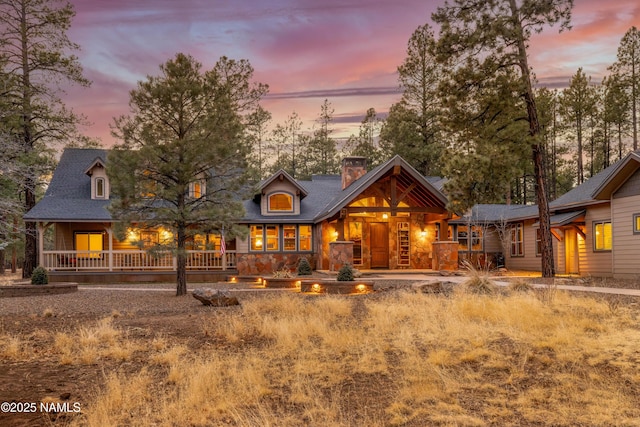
(445, 256)
(340, 253)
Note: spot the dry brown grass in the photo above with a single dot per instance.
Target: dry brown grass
(394, 359)
(401, 359)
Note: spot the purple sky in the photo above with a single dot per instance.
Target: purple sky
(306, 50)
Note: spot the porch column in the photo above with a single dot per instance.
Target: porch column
(340, 253)
(224, 261)
(110, 254)
(41, 260)
(445, 256)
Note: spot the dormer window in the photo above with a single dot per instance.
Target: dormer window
(197, 189)
(100, 193)
(280, 202)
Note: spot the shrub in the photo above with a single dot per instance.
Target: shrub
(345, 274)
(282, 274)
(520, 285)
(304, 268)
(39, 276)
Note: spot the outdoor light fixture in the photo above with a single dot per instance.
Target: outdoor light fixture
(361, 287)
(233, 280)
(385, 216)
(423, 234)
(315, 287)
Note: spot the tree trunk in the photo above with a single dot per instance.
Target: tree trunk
(547, 265)
(181, 258)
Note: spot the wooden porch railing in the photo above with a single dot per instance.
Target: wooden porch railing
(134, 260)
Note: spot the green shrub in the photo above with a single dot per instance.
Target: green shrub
(304, 268)
(39, 276)
(345, 274)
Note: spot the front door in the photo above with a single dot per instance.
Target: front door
(379, 245)
(571, 251)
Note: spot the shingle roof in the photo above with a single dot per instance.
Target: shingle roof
(68, 197)
(583, 194)
(320, 191)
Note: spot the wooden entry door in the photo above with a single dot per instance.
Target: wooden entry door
(379, 246)
(571, 251)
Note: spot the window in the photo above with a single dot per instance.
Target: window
(88, 244)
(257, 238)
(636, 224)
(196, 189)
(268, 238)
(602, 238)
(289, 232)
(463, 238)
(538, 242)
(149, 239)
(273, 238)
(305, 238)
(280, 202)
(100, 188)
(517, 240)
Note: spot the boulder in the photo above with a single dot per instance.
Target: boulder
(429, 287)
(215, 297)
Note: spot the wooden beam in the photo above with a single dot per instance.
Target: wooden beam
(394, 196)
(397, 169)
(406, 192)
(557, 235)
(372, 209)
(579, 231)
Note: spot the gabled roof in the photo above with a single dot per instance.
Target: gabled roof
(320, 191)
(68, 197)
(427, 190)
(621, 171)
(280, 175)
(97, 162)
(583, 194)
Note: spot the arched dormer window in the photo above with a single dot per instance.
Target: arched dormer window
(280, 202)
(100, 188)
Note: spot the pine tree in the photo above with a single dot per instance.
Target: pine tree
(38, 56)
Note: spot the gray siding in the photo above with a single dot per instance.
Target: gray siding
(626, 245)
(591, 262)
(528, 262)
(630, 188)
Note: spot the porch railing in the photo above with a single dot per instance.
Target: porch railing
(134, 260)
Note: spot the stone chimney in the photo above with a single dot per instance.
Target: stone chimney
(352, 169)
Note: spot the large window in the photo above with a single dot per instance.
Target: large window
(280, 202)
(88, 244)
(517, 240)
(270, 238)
(538, 242)
(469, 240)
(602, 238)
(256, 235)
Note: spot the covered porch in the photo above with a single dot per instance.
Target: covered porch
(86, 247)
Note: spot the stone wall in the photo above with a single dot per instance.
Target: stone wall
(340, 253)
(264, 263)
(445, 256)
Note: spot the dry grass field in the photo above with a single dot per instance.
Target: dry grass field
(394, 358)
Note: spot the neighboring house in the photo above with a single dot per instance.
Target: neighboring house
(595, 226)
(389, 218)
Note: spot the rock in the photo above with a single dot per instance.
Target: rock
(214, 297)
(429, 287)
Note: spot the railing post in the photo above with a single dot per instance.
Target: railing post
(109, 233)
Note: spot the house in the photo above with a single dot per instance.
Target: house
(389, 217)
(595, 226)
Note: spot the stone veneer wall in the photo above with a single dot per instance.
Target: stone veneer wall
(267, 263)
(340, 253)
(445, 256)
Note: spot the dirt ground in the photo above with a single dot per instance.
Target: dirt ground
(40, 377)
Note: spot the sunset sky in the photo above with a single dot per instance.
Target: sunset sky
(306, 50)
